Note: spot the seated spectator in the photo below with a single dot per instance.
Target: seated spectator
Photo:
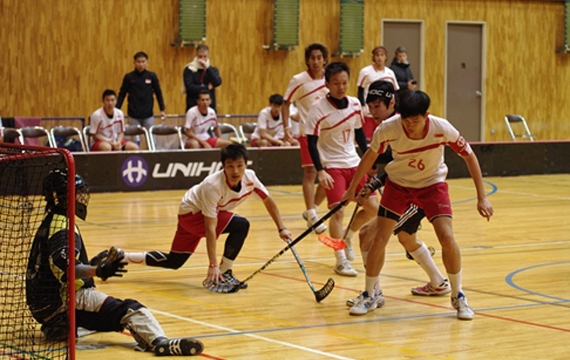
(199, 120)
(269, 130)
(107, 126)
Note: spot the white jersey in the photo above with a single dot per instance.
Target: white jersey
(303, 91)
(335, 129)
(369, 74)
(272, 127)
(200, 124)
(418, 163)
(107, 128)
(214, 194)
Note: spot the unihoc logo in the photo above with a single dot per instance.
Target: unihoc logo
(191, 169)
(134, 171)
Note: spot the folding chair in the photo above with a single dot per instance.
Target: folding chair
(516, 120)
(37, 132)
(87, 137)
(67, 132)
(164, 130)
(246, 130)
(137, 130)
(10, 135)
(229, 132)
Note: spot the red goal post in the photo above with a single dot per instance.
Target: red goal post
(22, 210)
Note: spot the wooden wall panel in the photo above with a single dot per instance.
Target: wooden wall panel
(58, 56)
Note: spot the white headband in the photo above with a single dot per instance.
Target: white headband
(381, 93)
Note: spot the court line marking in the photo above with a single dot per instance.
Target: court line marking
(250, 334)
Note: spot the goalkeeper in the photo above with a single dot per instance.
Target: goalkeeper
(46, 281)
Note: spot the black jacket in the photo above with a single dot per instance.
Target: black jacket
(403, 73)
(140, 86)
(196, 81)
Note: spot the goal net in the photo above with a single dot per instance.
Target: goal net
(22, 210)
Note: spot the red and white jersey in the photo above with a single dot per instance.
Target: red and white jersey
(303, 91)
(418, 163)
(335, 129)
(199, 123)
(214, 194)
(272, 127)
(369, 74)
(107, 128)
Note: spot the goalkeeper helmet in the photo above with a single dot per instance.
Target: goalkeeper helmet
(55, 192)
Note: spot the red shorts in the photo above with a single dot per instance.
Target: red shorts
(190, 230)
(306, 159)
(434, 199)
(212, 141)
(95, 146)
(342, 179)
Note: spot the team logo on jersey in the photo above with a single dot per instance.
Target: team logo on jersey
(134, 171)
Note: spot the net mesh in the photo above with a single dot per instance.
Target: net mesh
(22, 209)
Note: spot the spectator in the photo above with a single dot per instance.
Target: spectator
(376, 71)
(140, 85)
(401, 68)
(269, 130)
(199, 120)
(199, 75)
(107, 126)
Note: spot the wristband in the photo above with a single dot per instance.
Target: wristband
(213, 265)
(283, 228)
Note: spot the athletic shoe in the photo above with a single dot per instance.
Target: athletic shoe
(345, 269)
(231, 279)
(366, 303)
(313, 219)
(221, 287)
(464, 311)
(428, 290)
(112, 254)
(348, 250)
(350, 302)
(179, 346)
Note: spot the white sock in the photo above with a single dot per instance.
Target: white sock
(226, 264)
(373, 285)
(340, 256)
(455, 280)
(349, 234)
(136, 257)
(312, 213)
(364, 257)
(423, 257)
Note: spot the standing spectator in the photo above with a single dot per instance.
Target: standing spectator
(332, 126)
(304, 89)
(107, 126)
(140, 85)
(199, 120)
(269, 130)
(401, 68)
(46, 281)
(417, 176)
(199, 75)
(376, 71)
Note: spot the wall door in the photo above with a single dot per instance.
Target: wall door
(409, 34)
(464, 95)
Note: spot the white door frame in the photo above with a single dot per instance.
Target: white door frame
(483, 68)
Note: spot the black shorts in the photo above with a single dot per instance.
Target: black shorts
(412, 225)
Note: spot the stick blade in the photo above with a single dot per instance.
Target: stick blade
(321, 294)
(336, 244)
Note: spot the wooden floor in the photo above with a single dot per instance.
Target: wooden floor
(516, 269)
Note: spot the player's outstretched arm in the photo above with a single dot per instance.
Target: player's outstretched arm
(366, 163)
(484, 207)
(107, 269)
(273, 211)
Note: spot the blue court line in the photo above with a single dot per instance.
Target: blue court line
(511, 282)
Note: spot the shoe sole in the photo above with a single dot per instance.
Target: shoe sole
(378, 305)
(188, 347)
(345, 274)
(431, 294)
